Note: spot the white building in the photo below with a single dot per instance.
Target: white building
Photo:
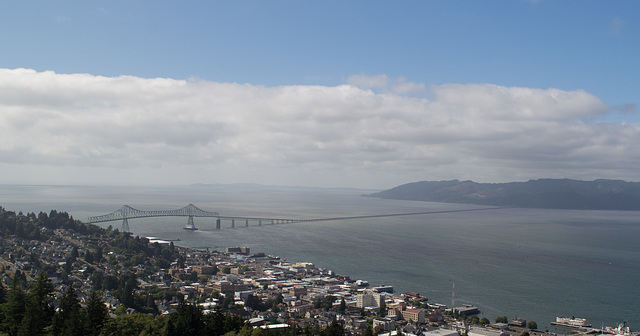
(370, 299)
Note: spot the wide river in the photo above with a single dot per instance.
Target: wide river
(527, 263)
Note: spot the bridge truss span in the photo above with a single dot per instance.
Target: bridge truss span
(126, 212)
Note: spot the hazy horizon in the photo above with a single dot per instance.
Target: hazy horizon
(249, 184)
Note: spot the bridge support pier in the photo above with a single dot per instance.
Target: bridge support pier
(190, 224)
(246, 223)
(218, 223)
(233, 223)
(125, 225)
(260, 223)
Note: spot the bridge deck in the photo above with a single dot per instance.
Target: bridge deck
(126, 212)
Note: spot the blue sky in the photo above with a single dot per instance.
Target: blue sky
(377, 46)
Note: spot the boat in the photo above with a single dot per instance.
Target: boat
(362, 283)
(622, 329)
(383, 288)
(571, 322)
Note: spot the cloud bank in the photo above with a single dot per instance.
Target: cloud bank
(61, 128)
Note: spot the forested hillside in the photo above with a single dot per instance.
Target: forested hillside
(543, 193)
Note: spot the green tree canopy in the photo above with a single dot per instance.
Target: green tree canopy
(96, 313)
(39, 308)
(134, 324)
(68, 321)
(14, 309)
(382, 310)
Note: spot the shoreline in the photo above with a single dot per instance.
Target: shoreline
(537, 332)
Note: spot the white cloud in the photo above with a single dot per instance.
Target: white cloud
(382, 83)
(82, 128)
(616, 26)
(61, 18)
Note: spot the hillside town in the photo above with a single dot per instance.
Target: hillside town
(138, 276)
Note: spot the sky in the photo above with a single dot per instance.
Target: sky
(362, 94)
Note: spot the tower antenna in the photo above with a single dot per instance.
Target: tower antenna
(453, 297)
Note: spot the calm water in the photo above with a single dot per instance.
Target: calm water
(529, 263)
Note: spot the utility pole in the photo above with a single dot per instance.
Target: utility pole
(453, 298)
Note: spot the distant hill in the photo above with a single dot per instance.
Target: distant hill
(543, 193)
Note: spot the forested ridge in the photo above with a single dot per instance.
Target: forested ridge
(543, 193)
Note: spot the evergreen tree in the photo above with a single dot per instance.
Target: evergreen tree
(68, 320)
(169, 328)
(3, 294)
(97, 279)
(96, 313)
(368, 332)
(127, 284)
(228, 300)
(14, 309)
(98, 256)
(253, 302)
(39, 308)
(343, 306)
(74, 254)
(232, 322)
(382, 310)
(19, 279)
(214, 323)
(88, 257)
(334, 329)
(188, 320)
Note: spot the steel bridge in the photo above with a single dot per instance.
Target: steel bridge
(126, 212)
